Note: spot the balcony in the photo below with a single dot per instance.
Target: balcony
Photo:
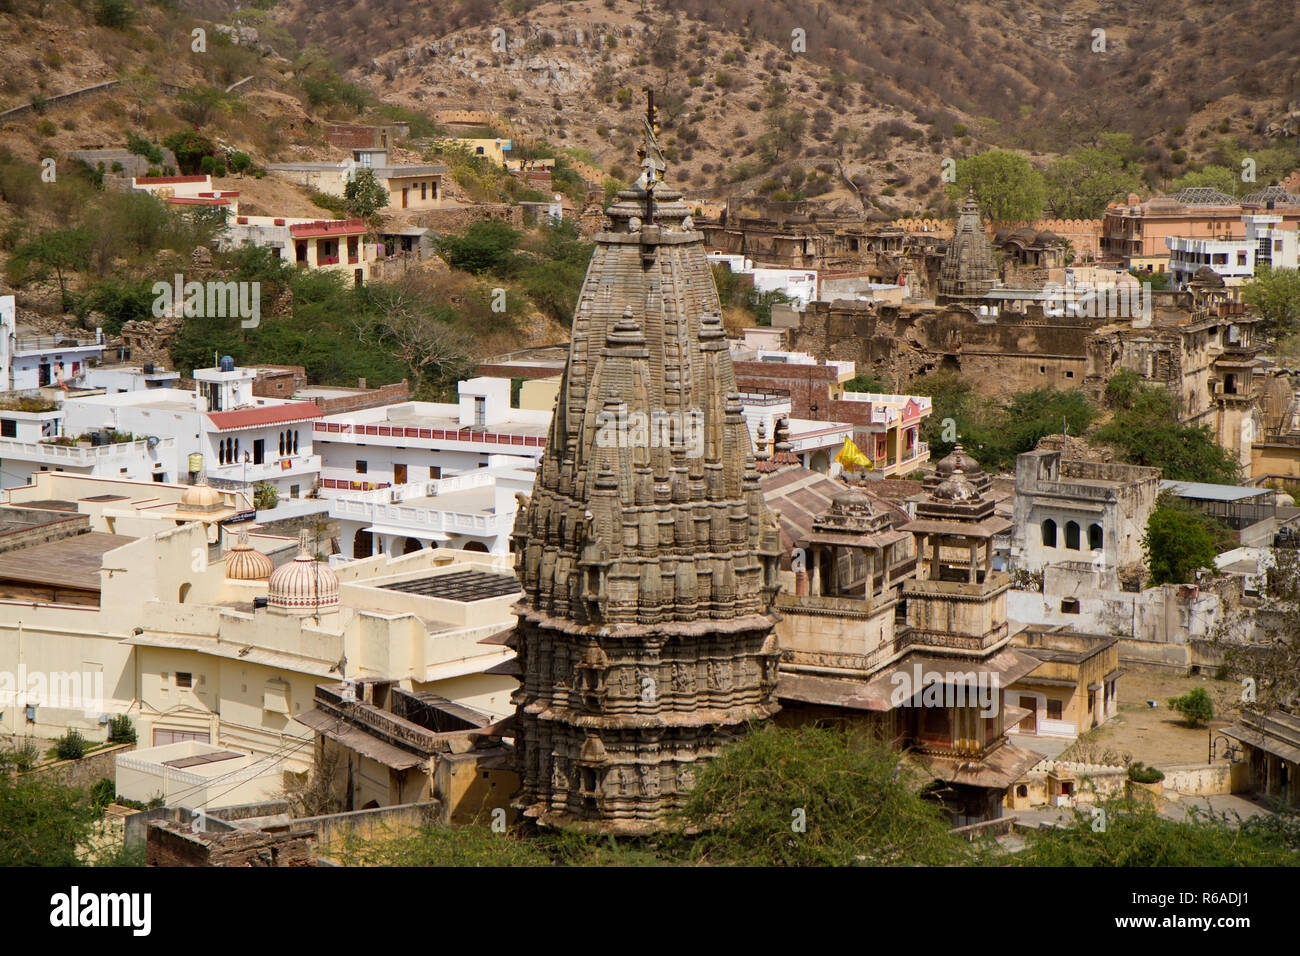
(240, 475)
(83, 456)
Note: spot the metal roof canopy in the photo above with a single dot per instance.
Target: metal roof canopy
(1204, 491)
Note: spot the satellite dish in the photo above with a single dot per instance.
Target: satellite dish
(151, 442)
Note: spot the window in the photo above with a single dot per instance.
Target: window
(259, 451)
(1072, 535)
(293, 491)
(1095, 537)
(1069, 605)
(8, 428)
(480, 411)
(184, 679)
(295, 441)
(424, 190)
(1049, 533)
(281, 444)
(435, 472)
(1053, 710)
(361, 467)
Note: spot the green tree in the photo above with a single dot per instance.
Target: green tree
(865, 382)
(1137, 835)
(62, 251)
(482, 247)
(1275, 293)
(1006, 185)
(363, 196)
(42, 822)
(1145, 431)
(189, 148)
(1177, 543)
(1196, 706)
(816, 797)
(1081, 184)
(114, 14)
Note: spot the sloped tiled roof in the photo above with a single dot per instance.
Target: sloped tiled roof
(264, 415)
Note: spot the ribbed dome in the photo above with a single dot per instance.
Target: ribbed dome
(201, 498)
(304, 585)
(246, 563)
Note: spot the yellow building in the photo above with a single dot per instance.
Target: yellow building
(1075, 688)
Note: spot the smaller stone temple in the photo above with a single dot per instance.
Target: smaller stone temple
(969, 270)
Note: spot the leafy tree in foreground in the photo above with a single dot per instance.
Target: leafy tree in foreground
(814, 797)
(1136, 835)
(42, 823)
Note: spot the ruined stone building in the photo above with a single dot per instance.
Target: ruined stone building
(1200, 348)
(648, 561)
(809, 235)
(1080, 512)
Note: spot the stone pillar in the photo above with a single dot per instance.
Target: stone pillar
(972, 572)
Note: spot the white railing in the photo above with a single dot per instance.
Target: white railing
(75, 454)
(270, 468)
(428, 519)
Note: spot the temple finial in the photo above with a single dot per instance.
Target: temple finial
(651, 157)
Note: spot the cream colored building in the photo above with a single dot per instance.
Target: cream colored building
(194, 653)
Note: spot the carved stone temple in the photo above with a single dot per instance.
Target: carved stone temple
(968, 271)
(646, 554)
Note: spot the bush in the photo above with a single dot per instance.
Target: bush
(1196, 706)
(1140, 773)
(71, 746)
(22, 756)
(120, 729)
(114, 14)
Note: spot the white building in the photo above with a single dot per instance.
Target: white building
(34, 361)
(129, 377)
(799, 284)
(471, 512)
(337, 245)
(1266, 243)
(422, 441)
(221, 430)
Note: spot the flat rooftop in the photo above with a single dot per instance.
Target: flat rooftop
(463, 586)
(72, 562)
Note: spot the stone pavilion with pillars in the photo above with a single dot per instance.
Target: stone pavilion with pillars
(922, 661)
(646, 554)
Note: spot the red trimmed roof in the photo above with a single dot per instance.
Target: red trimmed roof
(166, 180)
(264, 415)
(328, 227)
(196, 201)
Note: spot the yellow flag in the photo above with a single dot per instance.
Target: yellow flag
(850, 457)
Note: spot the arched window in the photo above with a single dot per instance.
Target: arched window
(221, 453)
(281, 444)
(295, 441)
(1072, 535)
(1095, 537)
(1049, 533)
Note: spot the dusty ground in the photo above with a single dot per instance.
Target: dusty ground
(1158, 737)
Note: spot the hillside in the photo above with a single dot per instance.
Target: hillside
(888, 90)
